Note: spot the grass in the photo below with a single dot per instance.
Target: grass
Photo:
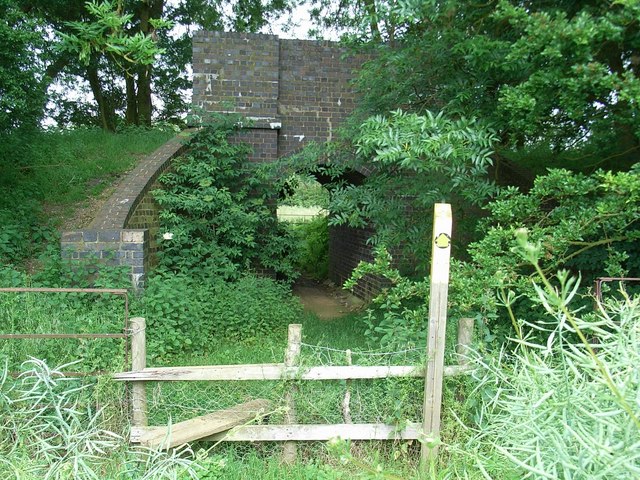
(64, 167)
(46, 175)
(531, 415)
(543, 411)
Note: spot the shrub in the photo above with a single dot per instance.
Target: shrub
(305, 191)
(253, 307)
(184, 314)
(313, 238)
(217, 210)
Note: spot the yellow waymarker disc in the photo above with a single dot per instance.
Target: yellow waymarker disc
(442, 240)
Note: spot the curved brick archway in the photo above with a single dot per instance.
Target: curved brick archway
(294, 92)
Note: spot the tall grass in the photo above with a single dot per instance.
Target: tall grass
(44, 175)
(563, 408)
(64, 167)
(52, 427)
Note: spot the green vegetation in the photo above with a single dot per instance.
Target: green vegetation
(313, 242)
(458, 101)
(304, 191)
(48, 174)
(187, 314)
(217, 210)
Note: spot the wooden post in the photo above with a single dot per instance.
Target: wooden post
(346, 402)
(138, 362)
(441, 245)
(289, 450)
(465, 337)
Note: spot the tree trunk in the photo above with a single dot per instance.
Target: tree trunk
(370, 8)
(106, 111)
(131, 113)
(148, 9)
(143, 97)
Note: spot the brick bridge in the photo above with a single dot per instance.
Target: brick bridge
(293, 91)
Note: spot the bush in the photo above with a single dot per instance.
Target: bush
(253, 307)
(217, 210)
(313, 240)
(184, 314)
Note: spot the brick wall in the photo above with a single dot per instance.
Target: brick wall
(294, 92)
(124, 231)
(347, 248)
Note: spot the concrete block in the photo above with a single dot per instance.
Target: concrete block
(133, 236)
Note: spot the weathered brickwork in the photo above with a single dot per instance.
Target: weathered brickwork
(294, 92)
(124, 231)
(347, 248)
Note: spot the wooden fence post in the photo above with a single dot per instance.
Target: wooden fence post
(138, 362)
(441, 251)
(289, 450)
(346, 402)
(465, 337)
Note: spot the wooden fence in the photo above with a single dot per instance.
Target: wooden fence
(231, 424)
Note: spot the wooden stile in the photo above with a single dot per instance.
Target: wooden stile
(301, 433)
(290, 449)
(203, 426)
(441, 251)
(230, 424)
(278, 371)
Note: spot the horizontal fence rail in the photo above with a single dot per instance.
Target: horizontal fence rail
(121, 292)
(278, 371)
(300, 433)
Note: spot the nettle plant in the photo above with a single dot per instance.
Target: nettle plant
(217, 210)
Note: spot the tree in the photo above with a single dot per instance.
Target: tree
(133, 92)
(21, 85)
(125, 40)
(558, 80)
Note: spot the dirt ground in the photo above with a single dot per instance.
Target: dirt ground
(326, 301)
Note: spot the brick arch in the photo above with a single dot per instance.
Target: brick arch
(292, 91)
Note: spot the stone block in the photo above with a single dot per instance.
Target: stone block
(90, 235)
(109, 235)
(75, 236)
(137, 247)
(133, 236)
